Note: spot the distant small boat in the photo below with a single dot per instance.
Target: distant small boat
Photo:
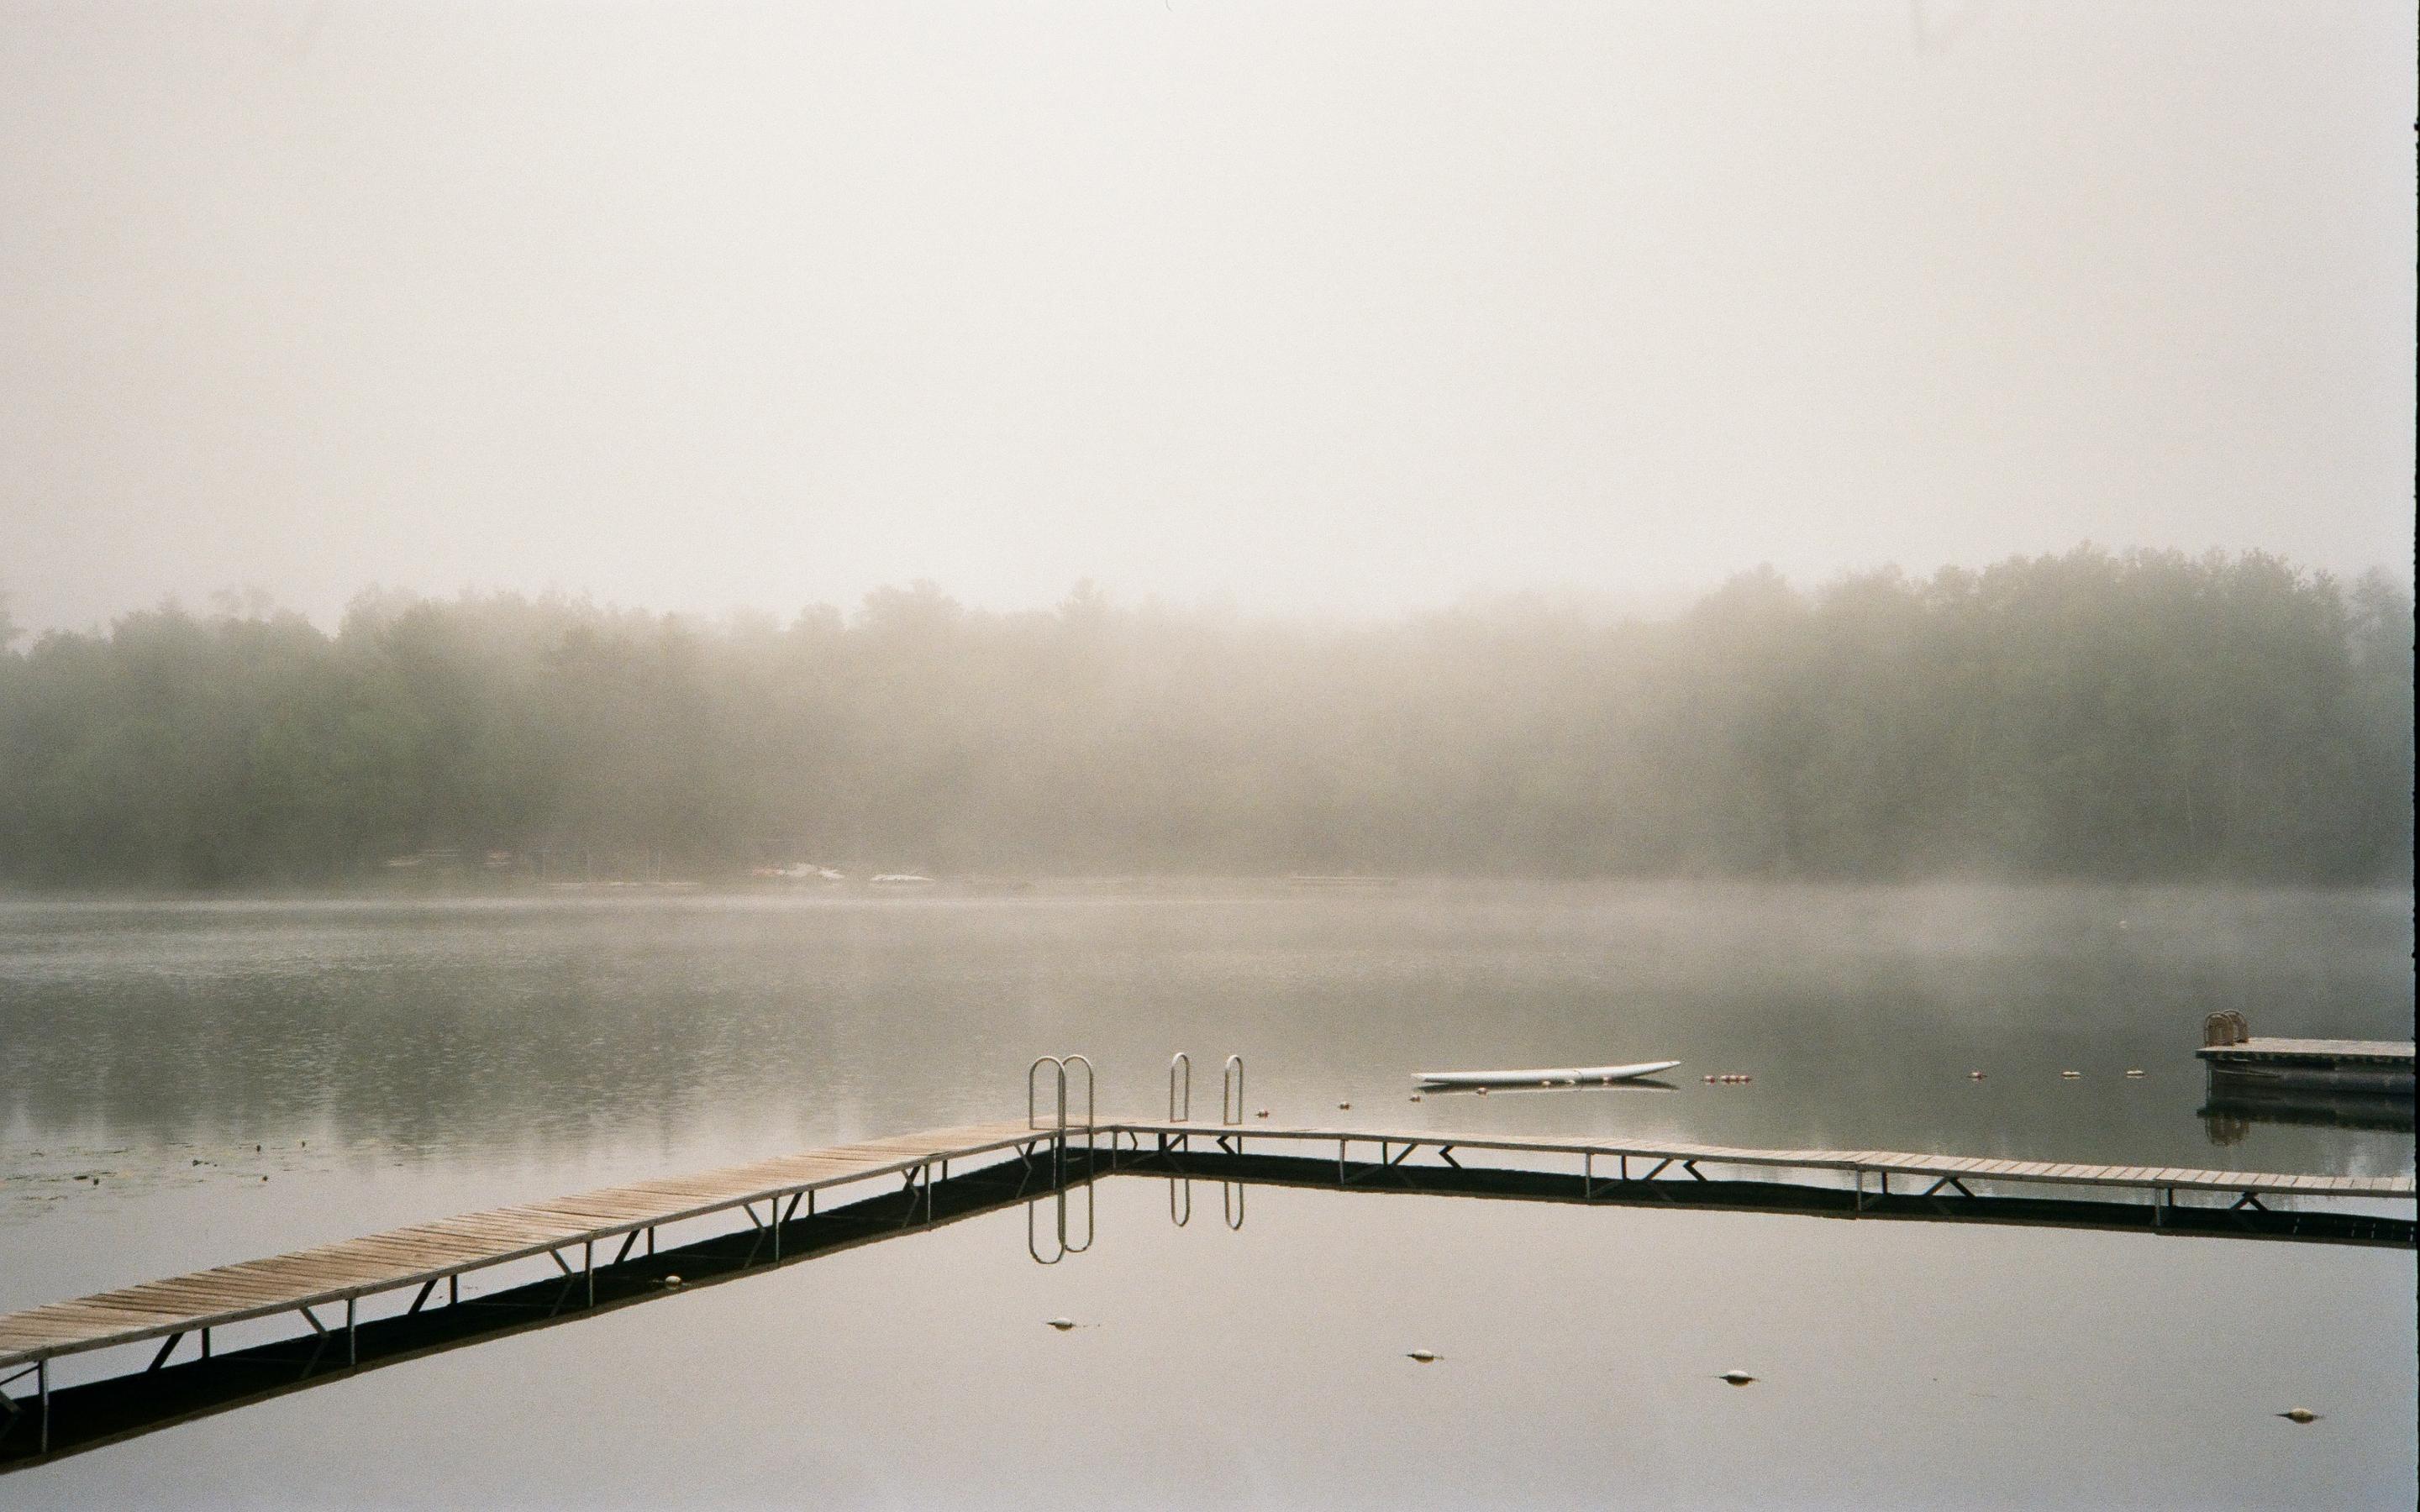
(900, 879)
(1549, 1076)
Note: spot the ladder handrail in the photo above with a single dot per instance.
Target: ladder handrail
(1090, 1123)
(1173, 1061)
(1235, 1067)
(1033, 1118)
(1032, 1109)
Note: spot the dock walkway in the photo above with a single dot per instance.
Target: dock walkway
(1858, 1165)
(425, 1256)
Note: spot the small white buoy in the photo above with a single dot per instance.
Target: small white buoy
(1974, 1076)
(671, 1280)
(1735, 1378)
(1061, 1324)
(2134, 1071)
(2069, 1075)
(2299, 1414)
(1424, 1356)
(1340, 1107)
(1263, 1114)
(1416, 1097)
(1481, 1090)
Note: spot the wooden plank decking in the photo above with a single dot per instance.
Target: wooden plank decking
(353, 1268)
(2272, 1047)
(428, 1253)
(1847, 1161)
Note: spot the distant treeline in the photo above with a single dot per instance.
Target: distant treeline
(2148, 715)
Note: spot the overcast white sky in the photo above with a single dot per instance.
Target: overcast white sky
(1300, 304)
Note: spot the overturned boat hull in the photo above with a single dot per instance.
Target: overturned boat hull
(1546, 1076)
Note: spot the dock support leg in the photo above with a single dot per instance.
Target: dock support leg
(588, 1263)
(453, 1290)
(1859, 1206)
(206, 1344)
(42, 1391)
(352, 1340)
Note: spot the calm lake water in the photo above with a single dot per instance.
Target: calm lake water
(404, 1058)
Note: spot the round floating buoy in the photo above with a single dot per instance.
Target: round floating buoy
(1263, 1114)
(2299, 1414)
(1416, 1097)
(1481, 1090)
(2135, 1071)
(1709, 1076)
(1974, 1076)
(1061, 1324)
(1735, 1378)
(671, 1280)
(1424, 1356)
(2069, 1075)
(1340, 1107)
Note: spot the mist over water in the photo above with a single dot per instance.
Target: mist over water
(403, 1059)
(590, 593)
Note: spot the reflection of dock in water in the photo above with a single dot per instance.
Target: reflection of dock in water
(600, 1251)
(2231, 1111)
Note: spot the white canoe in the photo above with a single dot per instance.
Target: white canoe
(1549, 1076)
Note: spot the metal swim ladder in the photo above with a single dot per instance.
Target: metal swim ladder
(1058, 1128)
(1230, 1113)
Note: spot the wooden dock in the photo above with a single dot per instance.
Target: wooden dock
(2344, 1068)
(425, 1256)
(2279, 1048)
(1618, 1160)
(576, 1231)
(2238, 1061)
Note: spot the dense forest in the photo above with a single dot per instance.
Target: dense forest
(2148, 716)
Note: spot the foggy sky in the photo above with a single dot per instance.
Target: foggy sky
(1363, 306)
